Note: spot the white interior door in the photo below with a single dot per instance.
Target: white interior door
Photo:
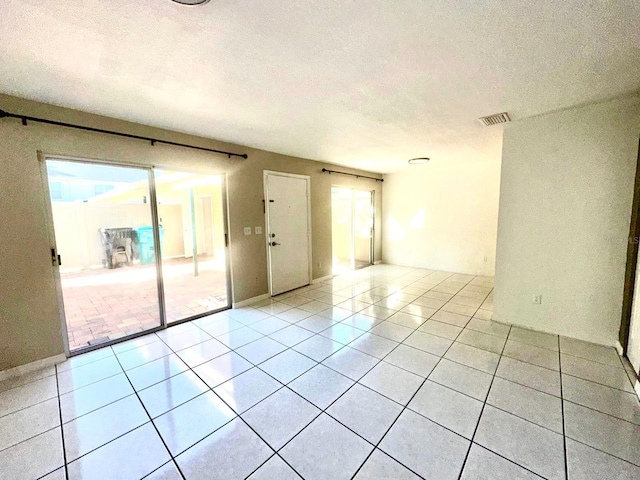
(288, 231)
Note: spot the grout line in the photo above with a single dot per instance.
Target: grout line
(481, 414)
(64, 450)
(508, 460)
(377, 363)
(238, 416)
(564, 434)
(405, 408)
(150, 421)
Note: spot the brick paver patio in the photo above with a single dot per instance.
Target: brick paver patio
(103, 304)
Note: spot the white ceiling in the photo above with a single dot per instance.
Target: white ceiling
(364, 83)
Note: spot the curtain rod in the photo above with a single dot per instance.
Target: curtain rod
(153, 141)
(324, 170)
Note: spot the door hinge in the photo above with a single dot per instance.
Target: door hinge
(226, 239)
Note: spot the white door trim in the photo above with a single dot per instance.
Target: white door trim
(265, 174)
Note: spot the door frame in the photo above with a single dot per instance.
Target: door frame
(632, 259)
(352, 208)
(48, 214)
(307, 178)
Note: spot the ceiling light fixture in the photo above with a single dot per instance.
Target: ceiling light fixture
(191, 2)
(418, 161)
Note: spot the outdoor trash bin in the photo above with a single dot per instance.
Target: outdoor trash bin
(120, 246)
(146, 244)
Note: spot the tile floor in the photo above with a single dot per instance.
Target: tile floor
(107, 304)
(389, 372)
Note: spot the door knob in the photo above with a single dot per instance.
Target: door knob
(273, 244)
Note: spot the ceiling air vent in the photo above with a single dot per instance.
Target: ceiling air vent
(496, 119)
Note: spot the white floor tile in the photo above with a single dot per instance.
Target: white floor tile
(321, 385)
(586, 463)
(392, 382)
(164, 396)
(462, 378)
(156, 371)
(28, 422)
(473, 357)
(326, 450)
(192, 421)
(245, 390)
(412, 359)
(535, 448)
(33, 458)
(448, 408)
(532, 405)
(94, 429)
(604, 432)
(280, 416)
(351, 362)
(366, 412)
(138, 453)
(287, 365)
(438, 454)
(274, 468)
(231, 453)
(96, 395)
(381, 466)
(530, 375)
(483, 464)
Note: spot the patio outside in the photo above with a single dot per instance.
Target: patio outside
(103, 227)
(103, 305)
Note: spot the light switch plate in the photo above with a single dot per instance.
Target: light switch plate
(258, 230)
(247, 230)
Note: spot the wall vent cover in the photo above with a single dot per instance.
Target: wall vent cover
(496, 119)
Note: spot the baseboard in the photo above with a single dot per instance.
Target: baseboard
(619, 348)
(377, 262)
(32, 367)
(250, 301)
(321, 279)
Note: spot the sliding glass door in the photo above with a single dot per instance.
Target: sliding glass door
(352, 228)
(100, 215)
(136, 249)
(191, 215)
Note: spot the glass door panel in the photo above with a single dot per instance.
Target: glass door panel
(103, 224)
(192, 230)
(362, 228)
(341, 229)
(352, 228)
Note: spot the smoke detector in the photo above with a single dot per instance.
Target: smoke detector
(495, 119)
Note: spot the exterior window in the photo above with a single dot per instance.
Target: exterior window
(100, 188)
(55, 188)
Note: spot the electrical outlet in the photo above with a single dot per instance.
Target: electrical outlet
(258, 230)
(247, 230)
(537, 299)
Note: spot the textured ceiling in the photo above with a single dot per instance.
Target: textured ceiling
(364, 83)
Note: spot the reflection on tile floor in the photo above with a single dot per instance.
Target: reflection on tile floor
(387, 372)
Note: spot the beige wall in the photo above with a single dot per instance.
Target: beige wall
(565, 207)
(443, 217)
(29, 317)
